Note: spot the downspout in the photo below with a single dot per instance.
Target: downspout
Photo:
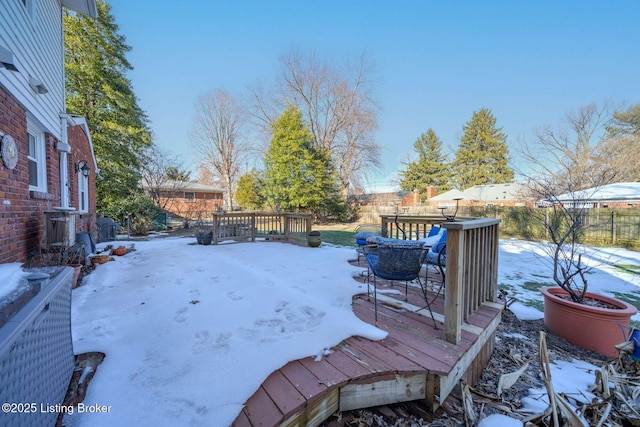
(64, 149)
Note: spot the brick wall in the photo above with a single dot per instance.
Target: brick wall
(81, 151)
(21, 210)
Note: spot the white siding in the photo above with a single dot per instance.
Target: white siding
(37, 45)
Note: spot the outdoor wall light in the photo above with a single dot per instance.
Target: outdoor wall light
(83, 167)
(37, 86)
(6, 59)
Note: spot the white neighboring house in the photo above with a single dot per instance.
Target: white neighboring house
(618, 195)
(512, 194)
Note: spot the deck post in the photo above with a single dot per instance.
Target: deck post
(216, 224)
(454, 285)
(287, 225)
(384, 226)
(252, 224)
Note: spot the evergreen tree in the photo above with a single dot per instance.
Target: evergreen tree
(176, 173)
(95, 67)
(249, 191)
(482, 156)
(297, 176)
(626, 122)
(430, 169)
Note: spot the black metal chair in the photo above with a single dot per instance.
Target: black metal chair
(397, 260)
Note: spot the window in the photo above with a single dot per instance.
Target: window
(37, 159)
(83, 193)
(189, 196)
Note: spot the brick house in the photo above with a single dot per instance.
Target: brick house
(47, 161)
(187, 199)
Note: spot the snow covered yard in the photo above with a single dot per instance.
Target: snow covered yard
(190, 332)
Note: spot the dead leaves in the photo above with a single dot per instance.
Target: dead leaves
(616, 389)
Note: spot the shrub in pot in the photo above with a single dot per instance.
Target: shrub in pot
(588, 320)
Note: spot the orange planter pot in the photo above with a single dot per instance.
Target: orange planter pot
(119, 251)
(593, 328)
(76, 274)
(100, 259)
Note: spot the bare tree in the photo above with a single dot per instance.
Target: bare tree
(620, 155)
(566, 158)
(566, 173)
(155, 163)
(338, 106)
(620, 150)
(217, 137)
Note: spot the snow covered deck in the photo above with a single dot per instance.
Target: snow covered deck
(415, 361)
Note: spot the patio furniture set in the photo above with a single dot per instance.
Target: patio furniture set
(400, 259)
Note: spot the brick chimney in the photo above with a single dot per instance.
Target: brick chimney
(431, 191)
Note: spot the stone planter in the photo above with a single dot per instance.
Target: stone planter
(204, 238)
(593, 328)
(313, 239)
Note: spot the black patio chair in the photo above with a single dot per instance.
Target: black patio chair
(397, 259)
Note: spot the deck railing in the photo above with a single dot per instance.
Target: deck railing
(249, 226)
(471, 277)
(472, 271)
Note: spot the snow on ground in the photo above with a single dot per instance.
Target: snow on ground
(191, 331)
(11, 280)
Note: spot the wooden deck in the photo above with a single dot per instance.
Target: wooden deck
(413, 362)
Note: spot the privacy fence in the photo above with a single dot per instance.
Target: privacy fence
(603, 226)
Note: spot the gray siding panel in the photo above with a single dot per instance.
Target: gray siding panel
(36, 43)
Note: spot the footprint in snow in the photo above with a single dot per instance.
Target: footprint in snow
(180, 316)
(234, 297)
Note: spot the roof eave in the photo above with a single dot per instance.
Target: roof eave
(85, 7)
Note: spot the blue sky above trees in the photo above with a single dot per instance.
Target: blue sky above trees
(436, 63)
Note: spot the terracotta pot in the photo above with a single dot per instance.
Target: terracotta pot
(76, 274)
(119, 251)
(593, 328)
(100, 259)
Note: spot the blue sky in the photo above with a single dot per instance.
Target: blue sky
(436, 63)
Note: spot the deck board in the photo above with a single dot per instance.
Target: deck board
(261, 411)
(326, 373)
(304, 391)
(284, 394)
(303, 379)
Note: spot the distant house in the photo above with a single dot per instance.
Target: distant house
(394, 198)
(187, 199)
(618, 195)
(512, 194)
(404, 199)
(47, 163)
